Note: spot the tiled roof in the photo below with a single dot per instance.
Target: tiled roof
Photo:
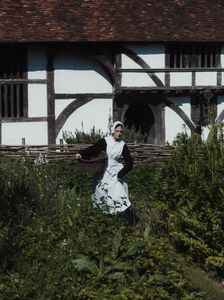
(111, 20)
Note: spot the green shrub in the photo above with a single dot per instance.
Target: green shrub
(130, 135)
(81, 137)
(55, 245)
(191, 190)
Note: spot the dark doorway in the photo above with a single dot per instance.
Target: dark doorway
(141, 117)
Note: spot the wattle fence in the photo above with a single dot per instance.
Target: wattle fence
(141, 153)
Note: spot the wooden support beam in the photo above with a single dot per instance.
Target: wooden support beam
(118, 65)
(172, 88)
(167, 69)
(24, 119)
(5, 89)
(83, 95)
(167, 65)
(50, 98)
(18, 110)
(24, 80)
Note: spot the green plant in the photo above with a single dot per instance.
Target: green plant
(191, 191)
(81, 137)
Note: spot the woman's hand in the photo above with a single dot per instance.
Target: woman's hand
(78, 156)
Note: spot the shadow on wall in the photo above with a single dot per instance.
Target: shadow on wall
(77, 62)
(64, 60)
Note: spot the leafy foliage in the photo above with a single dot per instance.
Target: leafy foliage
(130, 135)
(191, 189)
(55, 245)
(81, 137)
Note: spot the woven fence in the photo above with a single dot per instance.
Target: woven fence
(141, 153)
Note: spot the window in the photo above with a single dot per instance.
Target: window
(194, 56)
(13, 92)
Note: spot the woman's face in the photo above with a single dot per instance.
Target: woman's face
(118, 133)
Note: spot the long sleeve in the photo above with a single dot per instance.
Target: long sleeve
(95, 149)
(128, 163)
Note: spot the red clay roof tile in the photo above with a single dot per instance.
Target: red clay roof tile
(111, 20)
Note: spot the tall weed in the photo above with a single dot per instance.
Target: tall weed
(191, 187)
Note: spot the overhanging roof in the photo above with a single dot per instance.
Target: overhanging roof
(111, 20)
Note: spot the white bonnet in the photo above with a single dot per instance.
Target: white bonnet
(115, 125)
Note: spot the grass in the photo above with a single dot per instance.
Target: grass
(200, 280)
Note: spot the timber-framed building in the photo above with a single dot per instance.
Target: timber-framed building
(152, 64)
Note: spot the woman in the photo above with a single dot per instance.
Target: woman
(111, 192)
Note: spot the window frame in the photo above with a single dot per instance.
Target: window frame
(194, 55)
(13, 81)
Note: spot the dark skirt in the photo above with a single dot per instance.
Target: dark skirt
(128, 216)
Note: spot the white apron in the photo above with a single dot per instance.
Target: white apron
(110, 194)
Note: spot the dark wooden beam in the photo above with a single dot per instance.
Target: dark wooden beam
(118, 106)
(24, 119)
(5, 100)
(159, 123)
(137, 59)
(173, 88)
(195, 108)
(193, 79)
(117, 83)
(107, 66)
(167, 65)
(50, 98)
(218, 64)
(166, 69)
(68, 110)
(83, 96)
(18, 109)
(16, 81)
(181, 114)
(11, 100)
(25, 99)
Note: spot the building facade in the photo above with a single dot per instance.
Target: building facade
(70, 66)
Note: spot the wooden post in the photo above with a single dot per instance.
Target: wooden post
(61, 145)
(24, 143)
(50, 98)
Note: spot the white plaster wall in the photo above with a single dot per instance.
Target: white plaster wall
(60, 105)
(206, 78)
(37, 100)
(95, 113)
(37, 61)
(173, 123)
(35, 133)
(220, 108)
(220, 105)
(180, 79)
(153, 55)
(136, 79)
(184, 103)
(205, 132)
(79, 74)
(222, 56)
(222, 80)
(222, 63)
